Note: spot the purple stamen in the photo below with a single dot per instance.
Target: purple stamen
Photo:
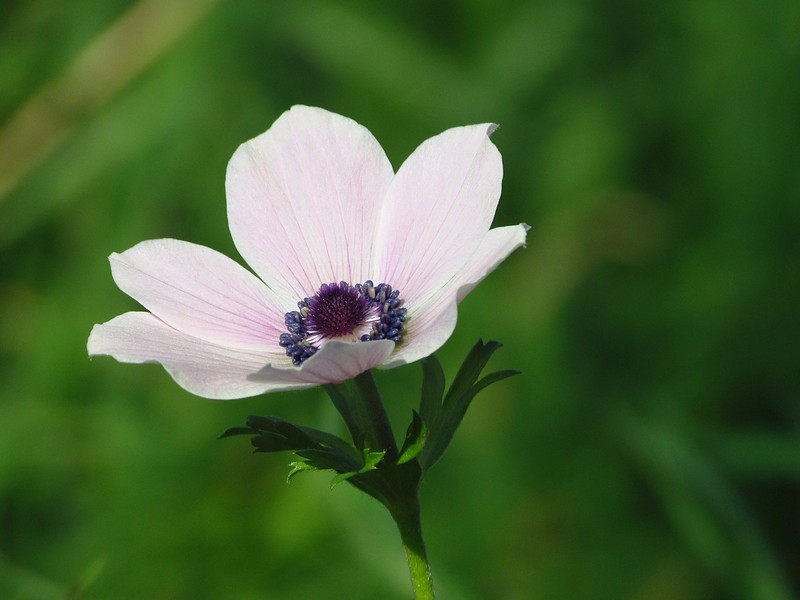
(360, 312)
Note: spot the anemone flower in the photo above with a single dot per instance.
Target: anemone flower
(357, 267)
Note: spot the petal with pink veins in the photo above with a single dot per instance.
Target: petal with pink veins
(201, 293)
(432, 323)
(335, 362)
(437, 210)
(304, 200)
(205, 369)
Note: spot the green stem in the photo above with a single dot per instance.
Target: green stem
(394, 485)
(376, 414)
(408, 522)
(359, 402)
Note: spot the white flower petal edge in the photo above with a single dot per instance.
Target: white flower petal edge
(433, 323)
(304, 200)
(202, 293)
(437, 211)
(334, 363)
(201, 368)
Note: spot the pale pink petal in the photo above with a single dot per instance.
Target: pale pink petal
(304, 201)
(204, 369)
(201, 293)
(432, 323)
(498, 244)
(437, 210)
(333, 363)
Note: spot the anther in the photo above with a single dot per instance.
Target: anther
(339, 311)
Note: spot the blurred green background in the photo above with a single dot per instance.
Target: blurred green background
(650, 450)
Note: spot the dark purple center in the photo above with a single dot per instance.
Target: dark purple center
(340, 311)
(336, 311)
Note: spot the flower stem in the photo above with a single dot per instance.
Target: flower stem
(359, 402)
(395, 485)
(376, 414)
(408, 522)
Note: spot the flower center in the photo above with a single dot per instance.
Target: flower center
(349, 313)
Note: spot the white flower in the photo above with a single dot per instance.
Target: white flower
(311, 203)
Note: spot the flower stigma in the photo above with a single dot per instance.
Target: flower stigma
(343, 312)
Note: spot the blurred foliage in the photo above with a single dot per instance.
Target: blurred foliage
(650, 450)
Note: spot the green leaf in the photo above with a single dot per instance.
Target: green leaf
(237, 431)
(494, 378)
(415, 439)
(273, 434)
(432, 390)
(371, 461)
(266, 441)
(294, 435)
(256, 422)
(325, 458)
(323, 438)
(457, 401)
(470, 371)
(299, 466)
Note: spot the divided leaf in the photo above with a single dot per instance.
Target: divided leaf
(318, 450)
(371, 460)
(443, 417)
(430, 404)
(416, 435)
